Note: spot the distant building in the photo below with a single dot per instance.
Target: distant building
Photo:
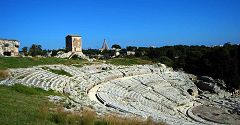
(130, 53)
(131, 50)
(9, 47)
(74, 43)
(104, 46)
(116, 51)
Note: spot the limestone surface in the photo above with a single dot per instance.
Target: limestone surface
(9, 47)
(154, 91)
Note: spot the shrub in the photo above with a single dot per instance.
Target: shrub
(165, 60)
(4, 74)
(89, 117)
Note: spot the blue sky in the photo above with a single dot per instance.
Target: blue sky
(125, 22)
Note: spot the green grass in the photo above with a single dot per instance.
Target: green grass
(20, 105)
(30, 90)
(78, 65)
(59, 72)
(128, 61)
(23, 62)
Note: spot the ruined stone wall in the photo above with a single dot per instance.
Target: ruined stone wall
(9, 47)
(77, 44)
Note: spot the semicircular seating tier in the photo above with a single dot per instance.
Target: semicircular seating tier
(142, 90)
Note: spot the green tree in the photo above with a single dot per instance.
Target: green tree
(131, 48)
(25, 51)
(92, 51)
(45, 52)
(35, 50)
(165, 60)
(116, 46)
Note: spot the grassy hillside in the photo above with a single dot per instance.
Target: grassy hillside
(24, 62)
(20, 62)
(20, 105)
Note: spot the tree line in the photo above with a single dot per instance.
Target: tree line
(36, 50)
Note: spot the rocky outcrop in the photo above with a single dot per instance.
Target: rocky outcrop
(70, 54)
(9, 47)
(207, 83)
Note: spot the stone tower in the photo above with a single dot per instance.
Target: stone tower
(74, 43)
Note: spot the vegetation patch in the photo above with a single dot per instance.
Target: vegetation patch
(165, 60)
(128, 61)
(20, 105)
(31, 90)
(59, 72)
(78, 65)
(24, 62)
(4, 74)
(89, 117)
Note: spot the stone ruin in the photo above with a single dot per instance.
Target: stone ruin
(144, 91)
(73, 47)
(74, 43)
(9, 47)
